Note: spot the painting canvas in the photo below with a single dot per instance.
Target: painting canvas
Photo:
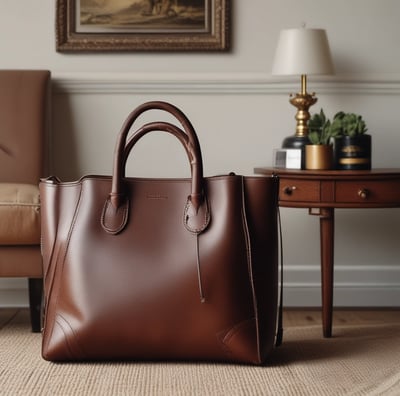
(142, 25)
(143, 15)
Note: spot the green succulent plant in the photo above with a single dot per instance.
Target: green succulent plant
(320, 129)
(348, 124)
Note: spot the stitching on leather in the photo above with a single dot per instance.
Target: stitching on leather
(206, 217)
(235, 329)
(124, 218)
(225, 336)
(68, 339)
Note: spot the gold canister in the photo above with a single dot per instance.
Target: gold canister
(319, 156)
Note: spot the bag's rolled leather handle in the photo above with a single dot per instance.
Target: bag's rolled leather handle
(171, 109)
(196, 212)
(193, 143)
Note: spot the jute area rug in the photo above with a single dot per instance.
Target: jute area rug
(358, 360)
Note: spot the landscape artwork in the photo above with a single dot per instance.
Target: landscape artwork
(142, 25)
(143, 15)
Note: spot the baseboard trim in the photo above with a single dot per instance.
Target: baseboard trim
(12, 298)
(354, 286)
(344, 296)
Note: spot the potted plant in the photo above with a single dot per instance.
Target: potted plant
(319, 153)
(352, 148)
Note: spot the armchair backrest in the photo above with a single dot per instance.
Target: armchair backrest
(24, 97)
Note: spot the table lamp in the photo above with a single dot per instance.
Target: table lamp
(302, 52)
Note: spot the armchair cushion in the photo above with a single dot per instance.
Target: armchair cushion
(19, 214)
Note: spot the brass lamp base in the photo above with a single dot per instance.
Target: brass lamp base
(302, 101)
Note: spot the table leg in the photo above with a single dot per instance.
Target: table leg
(327, 228)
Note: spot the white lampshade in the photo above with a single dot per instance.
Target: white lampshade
(301, 52)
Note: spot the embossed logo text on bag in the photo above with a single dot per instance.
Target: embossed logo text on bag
(156, 196)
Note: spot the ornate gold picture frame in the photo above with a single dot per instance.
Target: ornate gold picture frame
(142, 25)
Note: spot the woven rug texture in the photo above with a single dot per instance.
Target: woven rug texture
(358, 360)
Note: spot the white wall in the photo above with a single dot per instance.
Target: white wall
(240, 113)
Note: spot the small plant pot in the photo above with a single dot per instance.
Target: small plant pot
(353, 153)
(319, 156)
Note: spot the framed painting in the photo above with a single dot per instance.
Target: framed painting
(142, 25)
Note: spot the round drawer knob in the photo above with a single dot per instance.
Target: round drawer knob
(363, 193)
(289, 190)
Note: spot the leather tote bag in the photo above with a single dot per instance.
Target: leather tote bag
(159, 269)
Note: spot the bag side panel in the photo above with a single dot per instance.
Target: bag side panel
(58, 206)
(261, 195)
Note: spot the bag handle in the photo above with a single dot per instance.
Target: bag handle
(192, 145)
(173, 110)
(196, 211)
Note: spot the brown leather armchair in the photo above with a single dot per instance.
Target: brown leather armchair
(24, 98)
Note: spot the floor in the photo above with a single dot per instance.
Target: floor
(292, 317)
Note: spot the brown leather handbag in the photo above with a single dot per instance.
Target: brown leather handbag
(159, 269)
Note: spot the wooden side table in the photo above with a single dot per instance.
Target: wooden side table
(322, 192)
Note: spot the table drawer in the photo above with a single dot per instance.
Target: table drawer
(373, 191)
(299, 190)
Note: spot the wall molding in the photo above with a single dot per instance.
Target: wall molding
(352, 286)
(214, 84)
(302, 287)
